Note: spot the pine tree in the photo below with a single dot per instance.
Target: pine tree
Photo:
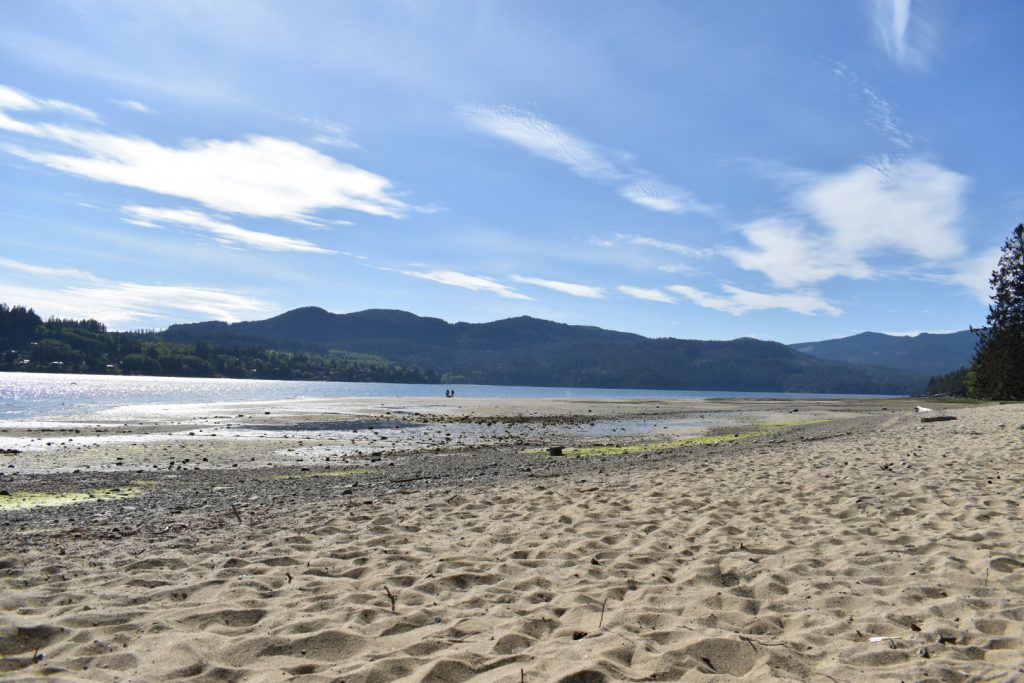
(998, 367)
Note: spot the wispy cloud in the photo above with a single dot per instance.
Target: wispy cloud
(645, 241)
(474, 282)
(906, 36)
(46, 271)
(585, 291)
(658, 196)
(76, 294)
(134, 105)
(256, 176)
(586, 159)
(331, 133)
(15, 100)
(223, 232)
(740, 301)
(646, 294)
(972, 273)
(880, 113)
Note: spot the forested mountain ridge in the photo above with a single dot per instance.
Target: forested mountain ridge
(530, 351)
(928, 354)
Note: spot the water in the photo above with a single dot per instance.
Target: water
(26, 396)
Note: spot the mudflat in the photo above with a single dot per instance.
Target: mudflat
(441, 540)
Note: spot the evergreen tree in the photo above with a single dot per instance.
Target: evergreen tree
(998, 367)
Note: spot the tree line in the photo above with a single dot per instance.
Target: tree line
(30, 344)
(997, 369)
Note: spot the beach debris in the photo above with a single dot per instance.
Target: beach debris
(938, 418)
(922, 409)
(879, 639)
(391, 597)
(237, 515)
(555, 450)
(9, 451)
(604, 604)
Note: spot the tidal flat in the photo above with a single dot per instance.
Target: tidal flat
(428, 539)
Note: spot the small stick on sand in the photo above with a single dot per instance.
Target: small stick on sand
(237, 516)
(601, 622)
(391, 597)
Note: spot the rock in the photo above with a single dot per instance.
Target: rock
(555, 450)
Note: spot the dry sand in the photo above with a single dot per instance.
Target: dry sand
(881, 549)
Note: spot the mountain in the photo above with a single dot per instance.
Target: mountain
(927, 354)
(530, 351)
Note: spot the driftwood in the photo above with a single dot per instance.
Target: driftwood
(938, 418)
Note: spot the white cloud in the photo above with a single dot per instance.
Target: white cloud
(585, 291)
(121, 304)
(256, 176)
(474, 282)
(223, 232)
(847, 220)
(134, 105)
(587, 160)
(906, 36)
(790, 258)
(908, 205)
(739, 301)
(646, 294)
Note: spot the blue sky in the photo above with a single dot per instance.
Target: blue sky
(792, 171)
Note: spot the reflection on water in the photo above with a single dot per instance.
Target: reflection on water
(25, 396)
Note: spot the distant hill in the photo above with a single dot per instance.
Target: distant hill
(529, 351)
(928, 354)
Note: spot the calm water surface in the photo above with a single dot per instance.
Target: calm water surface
(33, 395)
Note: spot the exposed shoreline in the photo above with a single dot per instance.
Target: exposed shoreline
(777, 551)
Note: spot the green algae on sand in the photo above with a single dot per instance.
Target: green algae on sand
(762, 429)
(26, 500)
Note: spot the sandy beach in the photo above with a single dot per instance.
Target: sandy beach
(441, 541)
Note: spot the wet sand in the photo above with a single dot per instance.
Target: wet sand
(768, 540)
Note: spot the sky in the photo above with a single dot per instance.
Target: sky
(792, 170)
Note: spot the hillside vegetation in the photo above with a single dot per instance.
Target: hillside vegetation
(30, 344)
